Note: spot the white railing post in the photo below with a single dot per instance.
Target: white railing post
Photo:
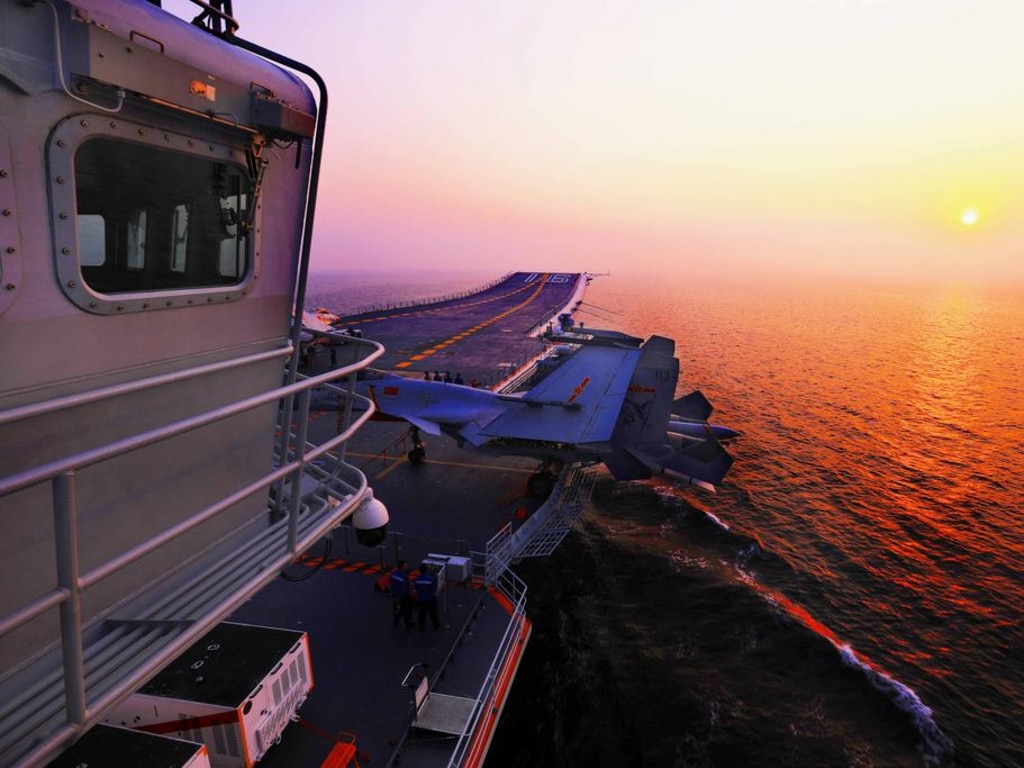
(349, 401)
(65, 523)
(296, 478)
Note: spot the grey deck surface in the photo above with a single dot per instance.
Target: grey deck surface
(451, 504)
(479, 336)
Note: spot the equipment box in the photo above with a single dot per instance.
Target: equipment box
(457, 567)
(234, 690)
(112, 747)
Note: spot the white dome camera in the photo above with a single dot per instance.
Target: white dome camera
(370, 521)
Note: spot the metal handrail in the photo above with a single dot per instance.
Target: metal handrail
(221, 16)
(66, 467)
(514, 590)
(52, 405)
(45, 472)
(72, 582)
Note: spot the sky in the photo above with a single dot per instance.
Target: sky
(855, 138)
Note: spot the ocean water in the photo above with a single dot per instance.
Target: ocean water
(851, 595)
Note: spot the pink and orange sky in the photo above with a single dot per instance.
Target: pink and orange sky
(844, 137)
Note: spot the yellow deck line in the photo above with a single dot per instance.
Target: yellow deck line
(465, 334)
(467, 465)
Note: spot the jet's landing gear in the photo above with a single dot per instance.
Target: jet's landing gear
(418, 452)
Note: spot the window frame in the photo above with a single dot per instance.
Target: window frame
(63, 145)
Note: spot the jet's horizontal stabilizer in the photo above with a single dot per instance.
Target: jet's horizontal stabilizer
(692, 407)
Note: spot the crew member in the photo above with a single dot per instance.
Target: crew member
(425, 585)
(401, 600)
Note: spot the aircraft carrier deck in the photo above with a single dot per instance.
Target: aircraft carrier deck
(482, 336)
(456, 503)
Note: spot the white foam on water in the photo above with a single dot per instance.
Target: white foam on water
(936, 748)
(723, 525)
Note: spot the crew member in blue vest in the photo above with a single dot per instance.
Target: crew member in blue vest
(425, 585)
(401, 599)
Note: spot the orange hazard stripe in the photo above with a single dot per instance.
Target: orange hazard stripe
(192, 723)
(245, 742)
(349, 566)
(503, 601)
(496, 703)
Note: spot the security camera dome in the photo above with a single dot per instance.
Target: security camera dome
(370, 521)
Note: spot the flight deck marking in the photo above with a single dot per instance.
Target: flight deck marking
(399, 461)
(466, 465)
(433, 308)
(356, 566)
(545, 280)
(480, 327)
(348, 566)
(192, 723)
(388, 470)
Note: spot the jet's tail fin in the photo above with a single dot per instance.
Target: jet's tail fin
(648, 404)
(645, 412)
(641, 446)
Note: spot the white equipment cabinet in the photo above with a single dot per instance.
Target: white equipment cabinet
(234, 690)
(456, 568)
(111, 747)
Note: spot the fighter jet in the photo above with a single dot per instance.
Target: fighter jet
(610, 401)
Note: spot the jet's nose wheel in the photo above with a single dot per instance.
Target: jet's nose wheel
(418, 452)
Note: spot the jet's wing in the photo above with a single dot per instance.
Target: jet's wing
(578, 403)
(433, 406)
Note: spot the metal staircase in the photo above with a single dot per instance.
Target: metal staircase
(541, 533)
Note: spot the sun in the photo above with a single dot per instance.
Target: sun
(969, 217)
